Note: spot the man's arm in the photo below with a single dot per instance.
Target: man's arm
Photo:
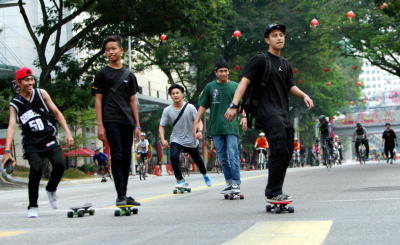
(366, 134)
(198, 124)
(10, 134)
(135, 112)
(60, 117)
(240, 90)
(161, 131)
(294, 90)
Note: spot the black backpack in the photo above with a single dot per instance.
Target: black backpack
(253, 93)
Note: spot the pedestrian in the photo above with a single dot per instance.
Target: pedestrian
(31, 108)
(272, 115)
(101, 160)
(217, 95)
(181, 116)
(389, 141)
(117, 114)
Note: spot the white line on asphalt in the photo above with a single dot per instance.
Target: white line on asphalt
(362, 200)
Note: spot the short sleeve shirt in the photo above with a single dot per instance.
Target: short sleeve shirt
(217, 96)
(141, 147)
(390, 136)
(274, 106)
(113, 111)
(182, 131)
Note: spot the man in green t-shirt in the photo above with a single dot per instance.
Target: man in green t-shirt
(217, 95)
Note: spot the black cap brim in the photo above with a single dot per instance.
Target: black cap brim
(272, 27)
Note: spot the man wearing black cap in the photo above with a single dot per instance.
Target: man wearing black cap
(389, 141)
(272, 115)
(217, 95)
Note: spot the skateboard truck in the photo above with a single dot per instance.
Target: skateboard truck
(233, 196)
(279, 207)
(126, 210)
(80, 211)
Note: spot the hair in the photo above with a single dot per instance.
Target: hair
(112, 38)
(174, 87)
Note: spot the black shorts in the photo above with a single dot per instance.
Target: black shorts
(142, 156)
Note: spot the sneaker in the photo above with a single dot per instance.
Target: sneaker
(33, 212)
(281, 198)
(52, 199)
(207, 179)
(121, 201)
(181, 184)
(235, 189)
(131, 201)
(227, 189)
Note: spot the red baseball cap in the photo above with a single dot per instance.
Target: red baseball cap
(23, 72)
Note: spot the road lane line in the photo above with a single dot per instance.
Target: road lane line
(162, 196)
(11, 233)
(282, 233)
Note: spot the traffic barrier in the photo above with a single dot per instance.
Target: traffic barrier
(157, 170)
(169, 169)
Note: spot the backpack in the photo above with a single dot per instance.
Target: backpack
(253, 93)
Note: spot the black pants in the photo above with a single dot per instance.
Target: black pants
(120, 139)
(280, 139)
(389, 150)
(365, 143)
(57, 162)
(194, 153)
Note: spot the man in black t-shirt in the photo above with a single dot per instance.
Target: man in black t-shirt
(273, 109)
(389, 141)
(117, 114)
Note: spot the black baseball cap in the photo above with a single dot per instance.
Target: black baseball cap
(269, 28)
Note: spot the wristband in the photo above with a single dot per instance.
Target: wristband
(7, 151)
(138, 127)
(199, 131)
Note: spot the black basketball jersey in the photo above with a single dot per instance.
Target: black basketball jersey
(38, 134)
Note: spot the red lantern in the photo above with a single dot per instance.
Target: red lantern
(326, 69)
(314, 22)
(163, 37)
(351, 102)
(328, 84)
(295, 71)
(299, 81)
(365, 101)
(354, 67)
(237, 34)
(237, 68)
(383, 6)
(358, 84)
(351, 15)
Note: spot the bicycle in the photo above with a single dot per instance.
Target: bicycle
(326, 154)
(142, 169)
(296, 159)
(261, 160)
(362, 153)
(185, 164)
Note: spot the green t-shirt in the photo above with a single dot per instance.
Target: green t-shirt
(217, 96)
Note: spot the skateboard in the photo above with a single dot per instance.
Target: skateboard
(81, 210)
(233, 196)
(126, 210)
(181, 190)
(103, 179)
(279, 206)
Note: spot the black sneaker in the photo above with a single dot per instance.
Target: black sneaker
(131, 201)
(121, 201)
(279, 198)
(227, 189)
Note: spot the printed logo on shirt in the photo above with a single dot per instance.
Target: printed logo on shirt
(125, 81)
(280, 68)
(215, 96)
(50, 143)
(28, 116)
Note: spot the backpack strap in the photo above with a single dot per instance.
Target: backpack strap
(180, 114)
(118, 82)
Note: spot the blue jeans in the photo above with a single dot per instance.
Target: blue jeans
(228, 155)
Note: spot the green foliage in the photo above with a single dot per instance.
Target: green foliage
(87, 167)
(73, 173)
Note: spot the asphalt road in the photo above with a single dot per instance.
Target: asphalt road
(349, 204)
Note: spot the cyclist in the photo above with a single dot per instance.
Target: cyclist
(296, 151)
(360, 136)
(143, 149)
(261, 145)
(325, 130)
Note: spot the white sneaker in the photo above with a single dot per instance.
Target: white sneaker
(182, 184)
(52, 199)
(33, 212)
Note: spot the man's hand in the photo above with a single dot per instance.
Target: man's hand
(101, 133)
(164, 144)
(199, 135)
(230, 114)
(308, 101)
(69, 139)
(243, 122)
(6, 157)
(196, 127)
(137, 133)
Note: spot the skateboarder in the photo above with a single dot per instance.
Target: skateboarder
(272, 114)
(217, 95)
(30, 108)
(181, 115)
(101, 160)
(117, 114)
